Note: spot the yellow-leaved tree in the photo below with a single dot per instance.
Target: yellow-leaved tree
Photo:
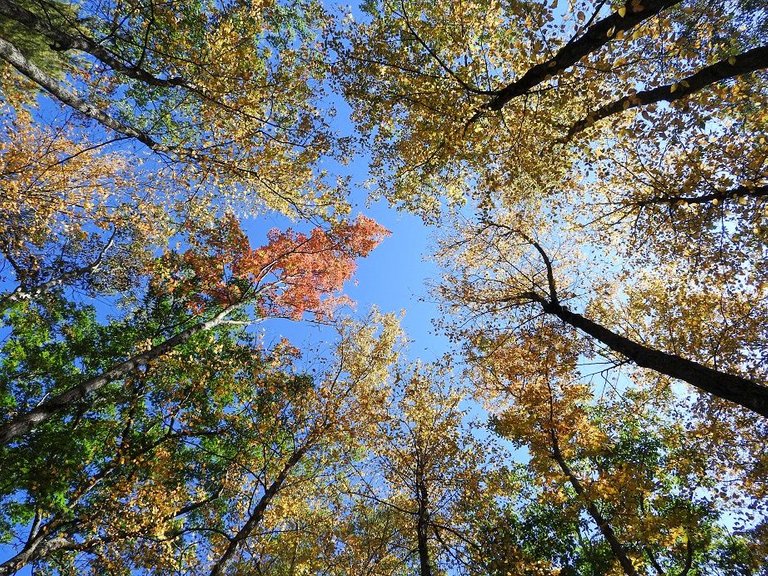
(631, 134)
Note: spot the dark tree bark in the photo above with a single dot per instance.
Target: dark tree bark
(750, 61)
(422, 525)
(257, 515)
(602, 523)
(719, 195)
(594, 38)
(736, 389)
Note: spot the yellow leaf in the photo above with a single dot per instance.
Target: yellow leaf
(622, 11)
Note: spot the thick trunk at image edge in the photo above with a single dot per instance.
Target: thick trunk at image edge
(736, 389)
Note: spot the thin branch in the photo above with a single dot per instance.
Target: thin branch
(20, 293)
(436, 57)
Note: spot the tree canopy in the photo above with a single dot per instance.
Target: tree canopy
(596, 176)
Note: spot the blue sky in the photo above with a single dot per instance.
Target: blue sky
(394, 278)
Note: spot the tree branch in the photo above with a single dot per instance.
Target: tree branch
(66, 40)
(750, 61)
(21, 293)
(743, 191)
(15, 58)
(235, 542)
(594, 38)
(602, 523)
(436, 57)
(736, 389)
(64, 400)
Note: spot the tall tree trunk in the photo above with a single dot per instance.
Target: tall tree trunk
(741, 391)
(27, 68)
(253, 522)
(602, 523)
(422, 521)
(68, 399)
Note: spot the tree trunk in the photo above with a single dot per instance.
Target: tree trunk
(422, 512)
(69, 398)
(220, 567)
(15, 58)
(741, 391)
(594, 38)
(422, 528)
(602, 523)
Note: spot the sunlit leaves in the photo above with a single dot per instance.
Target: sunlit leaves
(292, 274)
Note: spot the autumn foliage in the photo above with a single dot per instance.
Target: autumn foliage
(292, 274)
(596, 177)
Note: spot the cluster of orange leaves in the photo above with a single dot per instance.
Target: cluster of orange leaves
(292, 274)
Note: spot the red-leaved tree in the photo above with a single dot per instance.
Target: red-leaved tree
(219, 274)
